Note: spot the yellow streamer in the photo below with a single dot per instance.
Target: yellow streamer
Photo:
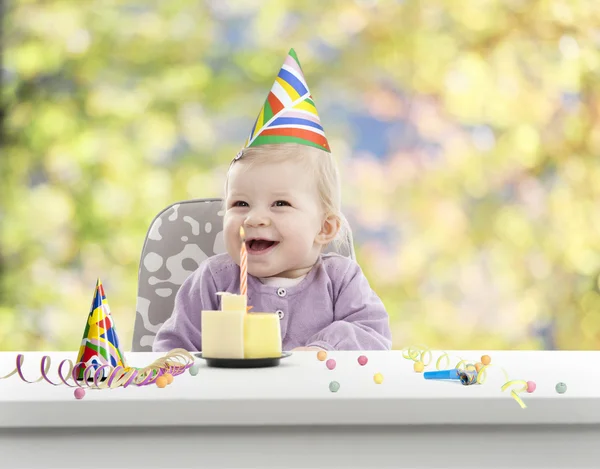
(412, 353)
(482, 375)
(423, 352)
(514, 393)
(466, 364)
(443, 355)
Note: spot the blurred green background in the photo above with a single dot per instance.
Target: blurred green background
(467, 133)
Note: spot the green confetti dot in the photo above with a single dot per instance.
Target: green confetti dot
(194, 369)
(561, 388)
(334, 386)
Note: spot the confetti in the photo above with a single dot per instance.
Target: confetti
(362, 360)
(321, 355)
(419, 367)
(531, 386)
(169, 377)
(194, 369)
(486, 359)
(334, 386)
(162, 381)
(79, 393)
(378, 378)
(330, 363)
(561, 388)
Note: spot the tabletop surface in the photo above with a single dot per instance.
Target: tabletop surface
(297, 392)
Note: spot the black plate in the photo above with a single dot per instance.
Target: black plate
(242, 362)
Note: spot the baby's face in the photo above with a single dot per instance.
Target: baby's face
(278, 206)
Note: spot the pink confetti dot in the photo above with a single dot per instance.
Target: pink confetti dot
(362, 360)
(530, 386)
(330, 363)
(79, 393)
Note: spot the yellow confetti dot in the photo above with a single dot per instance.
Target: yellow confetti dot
(378, 378)
(322, 355)
(486, 359)
(419, 367)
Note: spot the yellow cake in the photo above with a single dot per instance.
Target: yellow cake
(234, 333)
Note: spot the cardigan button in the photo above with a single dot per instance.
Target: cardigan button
(280, 313)
(281, 292)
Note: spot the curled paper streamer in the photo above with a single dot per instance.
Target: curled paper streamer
(515, 393)
(465, 365)
(437, 363)
(482, 375)
(175, 362)
(417, 353)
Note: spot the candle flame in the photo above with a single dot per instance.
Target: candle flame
(242, 233)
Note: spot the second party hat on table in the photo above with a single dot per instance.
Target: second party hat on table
(289, 114)
(100, 343)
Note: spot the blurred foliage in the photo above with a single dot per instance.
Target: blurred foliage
(467, 133)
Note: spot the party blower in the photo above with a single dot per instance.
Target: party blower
(466, 377)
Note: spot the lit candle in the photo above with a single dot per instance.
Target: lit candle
(243, 264)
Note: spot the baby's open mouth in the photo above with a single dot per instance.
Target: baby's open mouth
(260, 245)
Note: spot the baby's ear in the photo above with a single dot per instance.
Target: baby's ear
(329, 230)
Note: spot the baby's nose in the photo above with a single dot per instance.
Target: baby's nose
(258, 219)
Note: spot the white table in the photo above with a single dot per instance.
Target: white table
(286, 417)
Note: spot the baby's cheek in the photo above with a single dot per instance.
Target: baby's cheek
(232, 249)
(228, 235)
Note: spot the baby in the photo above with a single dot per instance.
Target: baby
(283, 188)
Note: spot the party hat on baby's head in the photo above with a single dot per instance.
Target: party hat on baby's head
(289, 114)
(100, 343)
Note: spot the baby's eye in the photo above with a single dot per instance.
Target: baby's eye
(239, 203)
(282, 203)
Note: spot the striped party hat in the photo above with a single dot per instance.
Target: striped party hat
(100, 343)
(289, 114)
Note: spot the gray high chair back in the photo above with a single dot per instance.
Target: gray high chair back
(178, 240)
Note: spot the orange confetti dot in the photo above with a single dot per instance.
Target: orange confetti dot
(486, 360)
(169, 377)
(161, 382)
(322, 355)
(478, 366)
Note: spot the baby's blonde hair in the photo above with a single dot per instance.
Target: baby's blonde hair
(324, 171)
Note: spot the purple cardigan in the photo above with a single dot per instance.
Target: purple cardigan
(333, 307)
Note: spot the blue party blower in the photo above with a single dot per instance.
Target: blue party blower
(442, 374)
